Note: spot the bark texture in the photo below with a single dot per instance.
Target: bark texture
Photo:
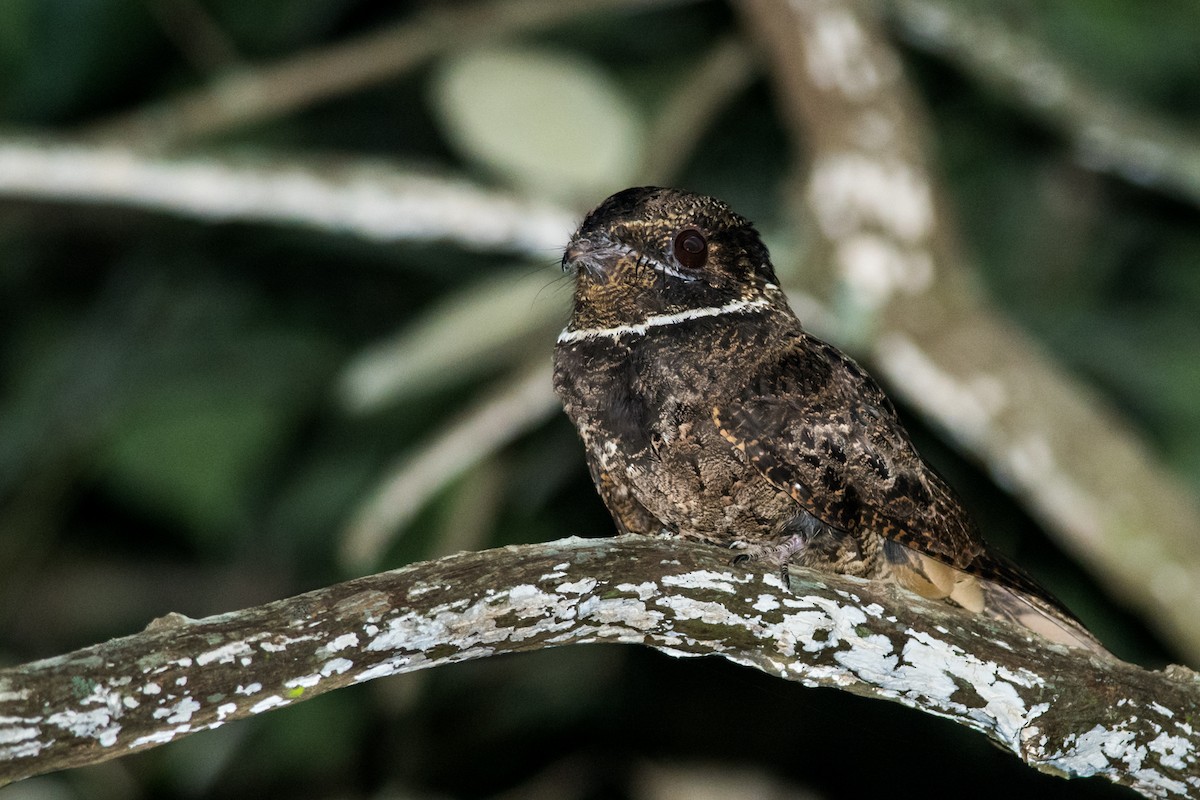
(1060, 710)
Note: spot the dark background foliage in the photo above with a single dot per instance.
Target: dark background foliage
(173, 436)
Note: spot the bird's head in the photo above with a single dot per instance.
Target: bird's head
(651, 251)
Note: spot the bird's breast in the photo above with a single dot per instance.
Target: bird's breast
(644, 410)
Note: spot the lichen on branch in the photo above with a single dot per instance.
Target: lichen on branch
(179, 676)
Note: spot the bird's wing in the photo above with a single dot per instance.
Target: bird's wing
(819, 428)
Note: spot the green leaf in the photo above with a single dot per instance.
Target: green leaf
(551, 123)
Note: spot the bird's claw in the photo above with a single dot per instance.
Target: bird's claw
(777, 554)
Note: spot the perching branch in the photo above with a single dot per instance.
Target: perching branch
(1060, 710)
(893, 261)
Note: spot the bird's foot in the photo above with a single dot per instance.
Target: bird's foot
(776, 554)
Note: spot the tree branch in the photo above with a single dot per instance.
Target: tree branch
(371, 198)
(250, 96)
(1060, 710)
(1108, 133)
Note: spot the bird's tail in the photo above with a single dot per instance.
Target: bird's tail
(995, 587)
(1013, 605)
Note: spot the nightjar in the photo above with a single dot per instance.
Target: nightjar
(708, 412)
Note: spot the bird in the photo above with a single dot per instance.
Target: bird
(707, 412)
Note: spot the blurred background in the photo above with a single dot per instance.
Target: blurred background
(279, 284)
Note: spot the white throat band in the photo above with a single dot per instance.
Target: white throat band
(662, 320)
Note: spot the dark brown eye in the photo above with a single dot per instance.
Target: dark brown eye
(691, 248)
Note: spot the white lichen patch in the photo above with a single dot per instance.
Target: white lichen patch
(274, 701)
(577, 587)
(96, 723)
(644, 590)
(224, 710)
(253, 688)
(336, 666)
(477, 623)
(10, 736)
(341, 643)
(875, 610)
(766, 602)
(928, 672)
(303, 682)
(383, 670)
(159, 737)
(180, 712)
(27, 749)
(705, 611)
(1162, 710)
(1115, 751)
(706, 579)
(19, 739)
(421, 588)
(1173, 751)
(1089, 753)
(938, 669)
(876, 268)
(798, 631)
(620, 611)
(225, 654)
(854, 193)
(279, 644)
(839, 56)
(774, 580)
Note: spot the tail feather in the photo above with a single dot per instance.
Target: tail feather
(1003, 602)
(995, 587)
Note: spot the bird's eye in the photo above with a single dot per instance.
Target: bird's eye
(691, 248)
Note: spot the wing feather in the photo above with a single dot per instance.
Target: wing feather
(819, 428)
(816, 426)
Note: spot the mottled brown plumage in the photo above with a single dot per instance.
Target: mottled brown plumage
(708, 412)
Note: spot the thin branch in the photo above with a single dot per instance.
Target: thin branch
(522, 402)
(1110, 134)
(1060, 710)
(254, 96)
(443, 346)
(892, 257)
(373, 199)
(196, 33)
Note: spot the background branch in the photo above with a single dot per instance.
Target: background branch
(370, 198)
(897, 275)
(1109, 134)
(253, 96)
(1059, 710)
